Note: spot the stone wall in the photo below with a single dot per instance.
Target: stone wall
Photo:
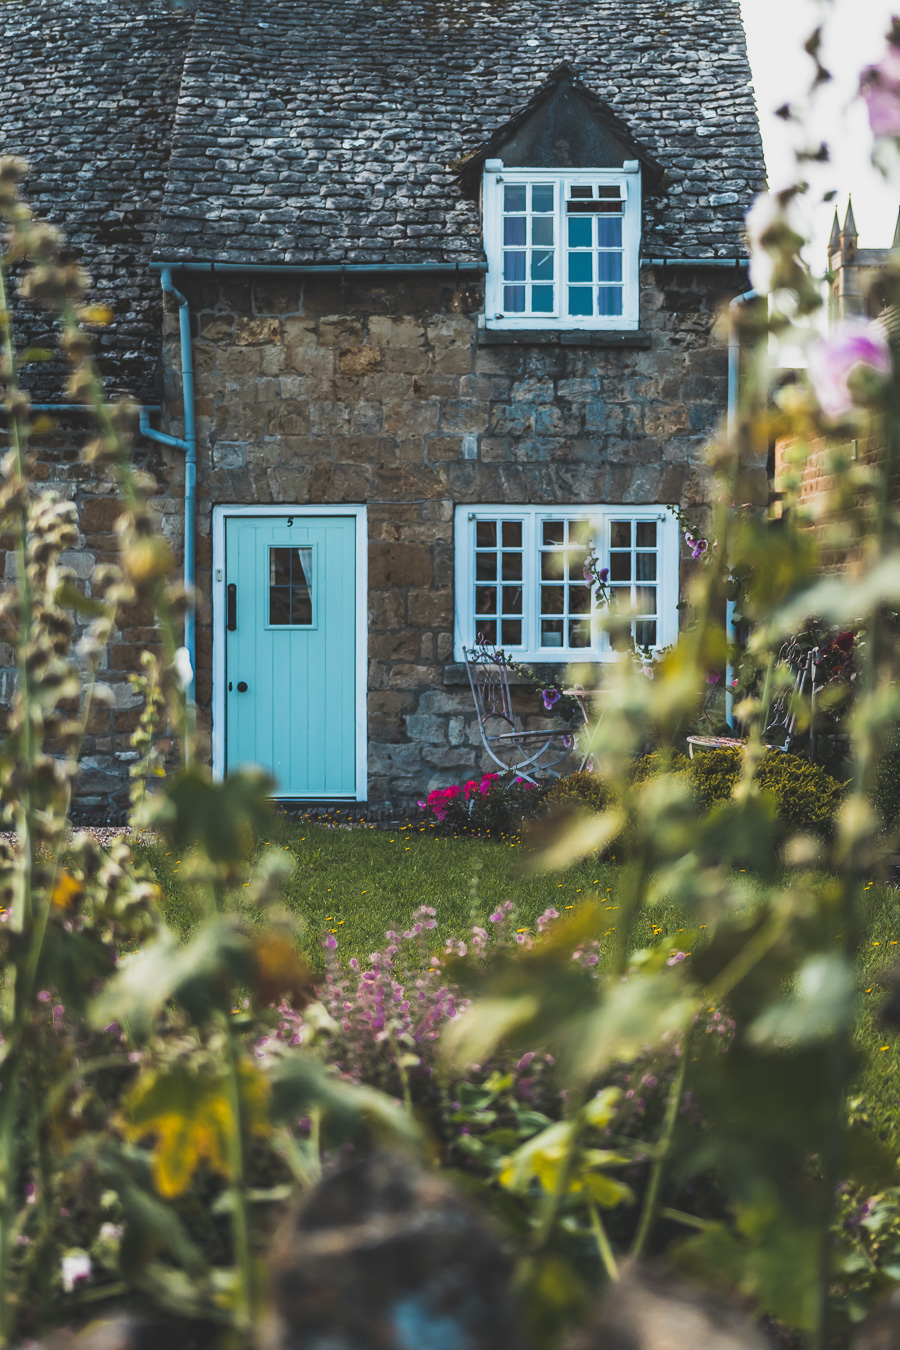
(386, 392)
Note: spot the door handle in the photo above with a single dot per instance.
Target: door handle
(242, 686)
(231, 608)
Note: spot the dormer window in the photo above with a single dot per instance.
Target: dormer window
(563, 247)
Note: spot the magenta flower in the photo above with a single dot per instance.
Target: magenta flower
(550, 696)
(853, 345)
(587, 574)
(880, 88)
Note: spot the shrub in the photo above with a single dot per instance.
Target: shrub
(580, 788)
(886, 788)
(805, 796)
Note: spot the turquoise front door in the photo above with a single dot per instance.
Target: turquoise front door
(290, 651)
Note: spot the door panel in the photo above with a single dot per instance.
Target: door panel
(293, 646)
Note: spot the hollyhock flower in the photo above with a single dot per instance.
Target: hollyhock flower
(697, 546)
(879, 86)
(845, 641)
(76, 1266)
(713, 677)
(550, 696)
(184, 671)
(854, 345)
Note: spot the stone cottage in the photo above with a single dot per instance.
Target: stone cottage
(419, 298)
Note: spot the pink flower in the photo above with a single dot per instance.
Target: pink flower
(880, 87)
(854, 343)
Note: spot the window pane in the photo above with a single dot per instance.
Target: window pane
(512, 599)
(512, 566)
(512, 534)
(552, 633)
(645, 567)
(581, 191)
(485, 534)
(514, 231)
(620, 566)
(514, 266)
(279, 604)
(542, 230)
(645, 632)
(609, 266)
(579, 599)
(581, 266)
(609, 232)
(485, 566)
(290, 586)
(552, 600)
(301, 606)
(542, 197)
(514, 196)
(579, 233)
(609, 300)
(541, 266)
(542, 299)
(579, 633)
(552, 565)
(279, 567)
(553, 533)
(620, 534)
(645, 599)
(580, 300)
(485, 599)
(512, 632)
(514, 299)
(646, 533)
(486, 631)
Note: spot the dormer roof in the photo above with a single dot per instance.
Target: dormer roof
(564, 126)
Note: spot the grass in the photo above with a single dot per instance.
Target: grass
(358, 882)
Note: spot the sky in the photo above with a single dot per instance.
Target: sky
(853, 37)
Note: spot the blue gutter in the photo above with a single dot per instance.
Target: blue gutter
(314, 269)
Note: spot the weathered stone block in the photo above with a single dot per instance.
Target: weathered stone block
(399, 564)
(251, 331)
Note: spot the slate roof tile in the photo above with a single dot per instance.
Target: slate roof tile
(389, 94)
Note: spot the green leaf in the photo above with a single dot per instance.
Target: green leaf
(471, 1037)
(220, 817)
(634, 1014)
(200, 976)
(820, 1005)
(299, 1084)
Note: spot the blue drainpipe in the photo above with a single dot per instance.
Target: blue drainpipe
(734, 366)
(189, 446)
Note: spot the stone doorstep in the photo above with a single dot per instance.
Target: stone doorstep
(455, 673)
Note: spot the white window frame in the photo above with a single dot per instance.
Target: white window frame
(628, 178)
(532, 517)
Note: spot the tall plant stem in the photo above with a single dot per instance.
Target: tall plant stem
(650, 1206)
(602, 1241)
(240, 1227)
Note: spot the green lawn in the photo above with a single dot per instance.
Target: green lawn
(357, 882)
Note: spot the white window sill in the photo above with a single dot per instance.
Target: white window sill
(564, 337)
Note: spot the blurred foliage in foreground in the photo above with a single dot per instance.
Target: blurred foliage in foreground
(687, 1100)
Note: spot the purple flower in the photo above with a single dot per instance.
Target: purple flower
(550, 696)
(833, 360)
(603, 575)
(697, 546)
(713, 677)
(880, 87)
(331, 942)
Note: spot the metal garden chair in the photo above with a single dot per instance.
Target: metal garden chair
(526, 752)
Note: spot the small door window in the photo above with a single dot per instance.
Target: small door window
(291, 587)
